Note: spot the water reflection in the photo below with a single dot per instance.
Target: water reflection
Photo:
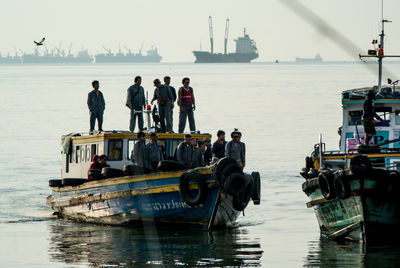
(326, 253)
(73, 243)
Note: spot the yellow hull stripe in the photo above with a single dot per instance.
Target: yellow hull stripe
(353, 155)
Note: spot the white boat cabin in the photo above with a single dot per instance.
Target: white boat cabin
(387, 106)
(78, 149)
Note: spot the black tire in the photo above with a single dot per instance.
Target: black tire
(394, 178)
(130, 170)
(192, 197)
(234, 184)
(55, 183)
(231, 168)
(313, 173)
(256, 192)
(241, 200)
(94, 174)
(360, 165)
(170, 165)
(108, 172)
(325, 183)
(221, 165)
(73, 182)
(342, 185)
(381, 176)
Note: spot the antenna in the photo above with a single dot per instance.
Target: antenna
(211, 34)
(226, 35)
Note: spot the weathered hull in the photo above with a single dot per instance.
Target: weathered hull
(153, 197)
(371, 214)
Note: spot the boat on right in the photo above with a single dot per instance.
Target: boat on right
(355, 191)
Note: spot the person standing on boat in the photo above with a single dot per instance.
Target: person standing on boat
(153, 152)
(96, 105)
(187, 105)
(218, 147)
(369, 115)
(139, 151)
(135, 101)
(207, 152)
(165, 102)
(184, 152)
(236, 149)
(198, 156)
(167, 81)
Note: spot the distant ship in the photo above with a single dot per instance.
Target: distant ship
(129, 57)
(57, 58)
(316, 59)
(10, 59)
(246, 49)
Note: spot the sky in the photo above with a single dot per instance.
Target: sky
(178, 27)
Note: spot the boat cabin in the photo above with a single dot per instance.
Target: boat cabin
(387, 106)
(78, 149)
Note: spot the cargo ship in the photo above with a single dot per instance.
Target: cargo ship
(246, 49)
(10, 59)
(316, 59)
(128, 57)
(56, 57)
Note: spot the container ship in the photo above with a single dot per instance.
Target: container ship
(128, 57)
(246, 49)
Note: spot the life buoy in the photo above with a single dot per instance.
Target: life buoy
(325, 183)
(360, 165)
(342, 185)
(193, 197)
(256, 193)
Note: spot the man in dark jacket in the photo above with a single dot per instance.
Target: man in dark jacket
(165, 102)
(218, 147)
(135, 101)
(369, 114)
(96, 105)
(184, 152)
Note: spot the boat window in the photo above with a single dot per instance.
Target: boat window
(114, 150)
(173, 144)
(93, 150)
(77, 154)
(384, 113)
(355, 118)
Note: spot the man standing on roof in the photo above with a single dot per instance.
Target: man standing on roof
(165, 102)
(236, 149)
(369, 114)
(135, 101)
(96, 105)
(167, 81)
(153, 152)
(139, 151)
(184, 152)
(187, 105)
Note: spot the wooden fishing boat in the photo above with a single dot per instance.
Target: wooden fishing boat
(124, 193)
(355, 191)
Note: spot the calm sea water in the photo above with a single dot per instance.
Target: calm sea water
(280, 109)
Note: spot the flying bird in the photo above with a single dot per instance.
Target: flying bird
(39, 43)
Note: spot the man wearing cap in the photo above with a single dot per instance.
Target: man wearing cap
(167, 81)
(96, 105)
(184, 152)
(236, 149)
(135, 101)
(165, 102)
(153, 152)
(368, 116)
(139, 152)
(187, 105)
(218, 147)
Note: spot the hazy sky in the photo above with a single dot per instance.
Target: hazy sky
(177, 27)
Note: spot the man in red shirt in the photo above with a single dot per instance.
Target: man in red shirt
(187, 105)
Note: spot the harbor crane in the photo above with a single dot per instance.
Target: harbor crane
(211, 34)
(226, 35)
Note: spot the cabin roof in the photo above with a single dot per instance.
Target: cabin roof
(357, 95)
(109, 135)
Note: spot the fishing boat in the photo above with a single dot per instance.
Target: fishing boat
(124, 193)
(355, 191)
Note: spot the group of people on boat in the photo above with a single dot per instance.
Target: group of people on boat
(164, 94)
(190, 152)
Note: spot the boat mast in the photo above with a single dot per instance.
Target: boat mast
(211, 34)
(226, 35)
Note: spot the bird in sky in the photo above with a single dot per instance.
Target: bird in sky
(39, 43)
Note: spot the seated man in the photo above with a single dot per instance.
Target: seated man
(103, 161)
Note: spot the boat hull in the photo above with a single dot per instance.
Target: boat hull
(371, 214)
(207, 57)
(131, 199)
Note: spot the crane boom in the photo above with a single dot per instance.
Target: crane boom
(211, 34)
(226, 35)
